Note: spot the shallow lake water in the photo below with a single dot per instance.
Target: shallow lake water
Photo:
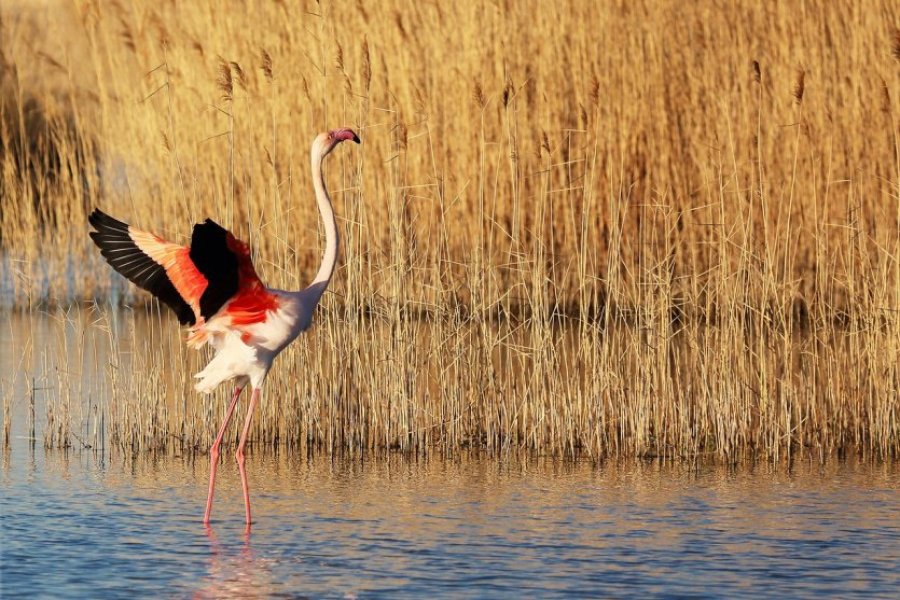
(90, 524)
(80, 524)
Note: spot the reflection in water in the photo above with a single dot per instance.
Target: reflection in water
(89, 524)
(79, 524)
(234, 572)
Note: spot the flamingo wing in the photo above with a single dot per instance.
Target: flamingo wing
(213, 257)
(195, 282)
(253, 300)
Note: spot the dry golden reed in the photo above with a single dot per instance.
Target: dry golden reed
(573, 227)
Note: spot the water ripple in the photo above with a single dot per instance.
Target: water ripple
(470, 529)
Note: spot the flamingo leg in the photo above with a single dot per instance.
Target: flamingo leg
(214, 452)
(239, 455)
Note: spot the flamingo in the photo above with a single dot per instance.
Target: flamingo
(214, 289)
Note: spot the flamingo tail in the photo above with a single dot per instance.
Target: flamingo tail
(232, 358)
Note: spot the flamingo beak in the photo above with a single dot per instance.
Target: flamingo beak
(344, 134)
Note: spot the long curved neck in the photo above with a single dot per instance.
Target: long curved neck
(329, 260)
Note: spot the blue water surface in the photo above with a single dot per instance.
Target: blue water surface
(79, 524)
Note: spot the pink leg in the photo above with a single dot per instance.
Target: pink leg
(214, 452)
(254, 398)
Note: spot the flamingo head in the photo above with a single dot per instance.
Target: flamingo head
(328, 141)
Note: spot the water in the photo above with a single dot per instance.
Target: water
(81, 525)
(86, 524)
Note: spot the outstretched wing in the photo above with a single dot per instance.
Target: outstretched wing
(195, 282)
(213, 257)
(151, 263)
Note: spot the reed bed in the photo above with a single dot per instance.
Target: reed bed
(642, 229)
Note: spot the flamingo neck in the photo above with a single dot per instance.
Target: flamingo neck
(329, 260)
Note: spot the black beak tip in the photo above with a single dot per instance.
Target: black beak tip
(356, 138)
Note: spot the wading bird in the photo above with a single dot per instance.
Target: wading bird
(213, 287)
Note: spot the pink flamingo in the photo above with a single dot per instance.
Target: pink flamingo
(213, 287)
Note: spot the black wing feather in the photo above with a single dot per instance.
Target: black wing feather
(123, 255)
(212, 257)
